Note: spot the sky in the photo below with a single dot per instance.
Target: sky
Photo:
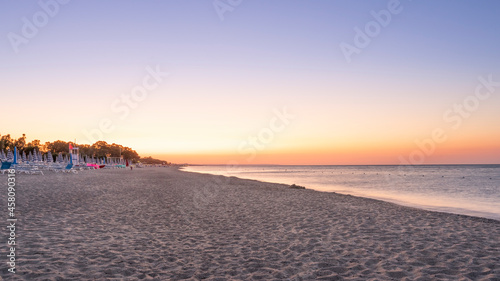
(257, 82)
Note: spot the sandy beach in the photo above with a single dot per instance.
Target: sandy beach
(166, 224)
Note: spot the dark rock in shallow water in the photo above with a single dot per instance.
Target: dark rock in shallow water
(297, 186)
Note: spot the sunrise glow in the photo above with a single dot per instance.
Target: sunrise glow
(179, 83)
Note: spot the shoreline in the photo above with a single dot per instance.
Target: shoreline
(380, 199)
(169, 224)
(399, 201)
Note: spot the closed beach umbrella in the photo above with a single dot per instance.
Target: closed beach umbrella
(10, 155)
(23, 157)
(16, 155)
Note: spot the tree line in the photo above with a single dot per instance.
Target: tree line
(99, 149)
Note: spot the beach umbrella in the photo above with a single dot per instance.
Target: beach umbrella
(23, 157)
(49, 157)
(15, 155)
(3, 157)
(30, 157)
(10, 155)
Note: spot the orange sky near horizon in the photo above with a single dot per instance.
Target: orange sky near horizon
(297, 145)
(412, 154)
(361, 140)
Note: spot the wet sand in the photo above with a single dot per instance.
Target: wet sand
(166, 224)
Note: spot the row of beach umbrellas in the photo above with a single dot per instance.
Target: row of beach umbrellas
(37, 156)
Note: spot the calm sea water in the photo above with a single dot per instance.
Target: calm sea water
(462, 189)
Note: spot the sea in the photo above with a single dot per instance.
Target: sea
(461, 189)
